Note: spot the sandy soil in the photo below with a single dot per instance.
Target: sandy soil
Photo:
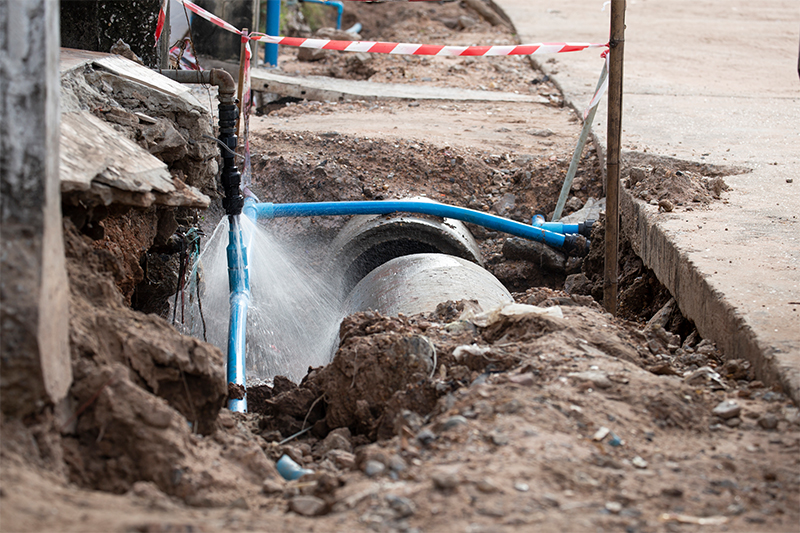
(554, 418)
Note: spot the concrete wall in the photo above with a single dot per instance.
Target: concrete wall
(97, 24)
(34, 350)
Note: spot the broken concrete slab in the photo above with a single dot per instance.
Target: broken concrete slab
(102, 166)
(334, 89)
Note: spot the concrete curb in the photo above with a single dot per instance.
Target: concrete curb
(712, 314)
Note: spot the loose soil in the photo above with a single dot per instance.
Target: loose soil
(546, 415)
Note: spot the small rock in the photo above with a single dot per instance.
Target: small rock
(403, 507)
(486, 486)
(307, 505)
(271, 486)
(733, 422)
(452, 422)
(338, 439)
(601, 433)
(577, 284)
(522, 487)
(498, 439)
(311, 54)
(768, 421)
(526, 379)
(665, 205)
(598, 379)
(638, 462)
(374, 468)
(342, 459)
(727, 409)
(613, 507)
(397, 463)
(240, 503)
(672, 492)
(444, 480)
(574, 203)
(426, 436)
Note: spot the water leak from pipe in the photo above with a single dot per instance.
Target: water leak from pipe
(294, 315)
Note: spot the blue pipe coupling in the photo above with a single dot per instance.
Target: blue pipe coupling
(580, 228)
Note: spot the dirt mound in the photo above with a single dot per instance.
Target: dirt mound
(143, 396)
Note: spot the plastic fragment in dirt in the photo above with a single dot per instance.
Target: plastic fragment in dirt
(290, 470)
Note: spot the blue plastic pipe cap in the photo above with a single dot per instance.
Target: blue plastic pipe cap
(291, 470)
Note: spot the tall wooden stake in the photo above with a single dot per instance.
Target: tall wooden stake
(617, 45)
(242, 58)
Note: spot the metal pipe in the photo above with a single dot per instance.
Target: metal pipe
(384, 207)
(576, 156)
(216, 76)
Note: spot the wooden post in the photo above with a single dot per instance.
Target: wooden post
(242, 52)
(616, 42)
(163, 45)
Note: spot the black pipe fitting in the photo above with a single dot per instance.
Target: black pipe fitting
(576, 244)
(585, 228)
(231, 178)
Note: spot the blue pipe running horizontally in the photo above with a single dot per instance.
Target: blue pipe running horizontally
(385, 207)
(239, 285)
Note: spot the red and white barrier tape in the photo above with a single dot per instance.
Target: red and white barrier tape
(398, 48)
(162, 15)
(395, 48)
(601, 89)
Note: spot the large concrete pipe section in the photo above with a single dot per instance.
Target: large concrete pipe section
(418, 283)
(368, 241)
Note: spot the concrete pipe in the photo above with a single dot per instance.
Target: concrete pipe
(368, 241)
(418, 283)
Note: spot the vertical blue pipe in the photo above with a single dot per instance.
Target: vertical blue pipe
(239, 285)
(273, 29)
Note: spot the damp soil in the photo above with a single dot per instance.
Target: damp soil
(546, 415)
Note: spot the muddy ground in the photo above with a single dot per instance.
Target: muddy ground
(547, 415)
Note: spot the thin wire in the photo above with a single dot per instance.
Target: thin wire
(223, 145)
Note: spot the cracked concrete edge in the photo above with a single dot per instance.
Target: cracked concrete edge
(713, 315)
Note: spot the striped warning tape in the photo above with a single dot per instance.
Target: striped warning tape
(398, 48)
(162, 15)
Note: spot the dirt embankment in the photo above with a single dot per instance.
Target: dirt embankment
(555, 417)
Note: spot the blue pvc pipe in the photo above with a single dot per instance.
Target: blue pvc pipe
(239, 285)
(385, 207)
(273, 29)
